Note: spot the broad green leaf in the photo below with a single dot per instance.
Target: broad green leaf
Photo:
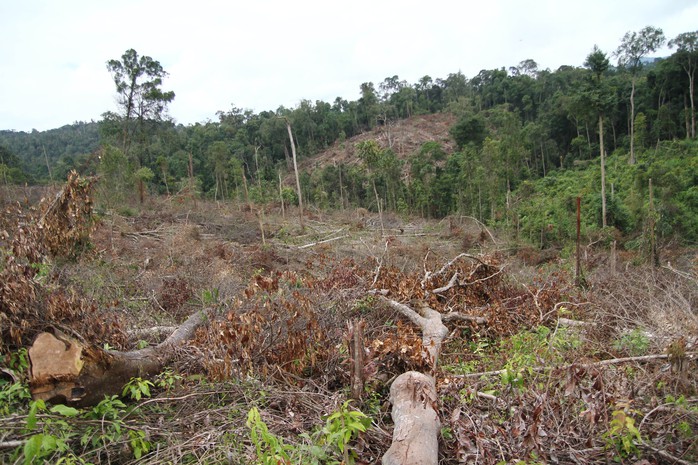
(64, 410)
(32, 448)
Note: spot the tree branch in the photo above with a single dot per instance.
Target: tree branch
(456, 316)
(312, 244)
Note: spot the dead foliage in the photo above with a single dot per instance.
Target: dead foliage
(30, 300)
(575, 415)
(282, 323)
(174, 293)
(279, 327)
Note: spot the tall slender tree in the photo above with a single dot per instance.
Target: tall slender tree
(687, 54)
(138, 81)
(633, 48)
(598, 63)
(372, 154)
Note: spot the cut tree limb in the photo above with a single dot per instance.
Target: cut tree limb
(313, 244)
(154, 332)
(456, 316)
(413, 395)
(429, 321)
(64, 370)
(415, 436)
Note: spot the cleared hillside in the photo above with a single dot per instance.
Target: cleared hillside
(404, 137)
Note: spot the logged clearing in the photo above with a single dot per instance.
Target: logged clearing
(294, 324)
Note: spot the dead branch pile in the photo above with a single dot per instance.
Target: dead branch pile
(30, 300)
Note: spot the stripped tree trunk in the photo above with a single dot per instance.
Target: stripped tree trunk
(417, 425)
(356, 351)
(414, 398)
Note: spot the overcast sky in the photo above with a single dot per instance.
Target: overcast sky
(261, 54)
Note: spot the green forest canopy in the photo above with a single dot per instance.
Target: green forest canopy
(527, 144)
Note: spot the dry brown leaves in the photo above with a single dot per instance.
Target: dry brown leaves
(277, 327)
(30, 300)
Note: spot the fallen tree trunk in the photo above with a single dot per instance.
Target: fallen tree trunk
(64, 370)
(415, 436)
(414, 398)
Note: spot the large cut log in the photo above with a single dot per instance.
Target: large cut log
(413, 395)
(64, 370)
(417, 425)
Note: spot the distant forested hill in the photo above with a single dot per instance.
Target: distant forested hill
(51, 154)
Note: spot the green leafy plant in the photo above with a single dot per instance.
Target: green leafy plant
(167, 379)
(42, 271)
(108, 412)
(512, 378)
(19, 361)
(209, 296)
(623, 436)
(41, 446)
(635, 343)
(364, 305)
(137, 388)
(13, 392)
(269, 448)
(685, 430)
(138, 442)
(344, 426)
(53, 439)
(462, 368)
(328, 445)
(12, 396)
(72, 459)
(109, 408)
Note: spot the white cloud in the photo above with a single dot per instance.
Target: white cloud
(263, 54)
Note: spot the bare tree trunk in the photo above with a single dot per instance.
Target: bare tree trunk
(686, 118)
(164, 178)
(654, 254)
(256, 165)
(191, 179)
(295, 170)
(614, 256)
(48, 167)
(578, 267)
(632, 122)
(244, 186)
(64, 370)
(414, 398)
(260, 219)
(691, 87)
(341, 188)
(603, 172)
(415, 437)
(356, 352)
(281, 198)
(378, 204)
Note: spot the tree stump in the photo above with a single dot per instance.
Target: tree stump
(64, 370)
